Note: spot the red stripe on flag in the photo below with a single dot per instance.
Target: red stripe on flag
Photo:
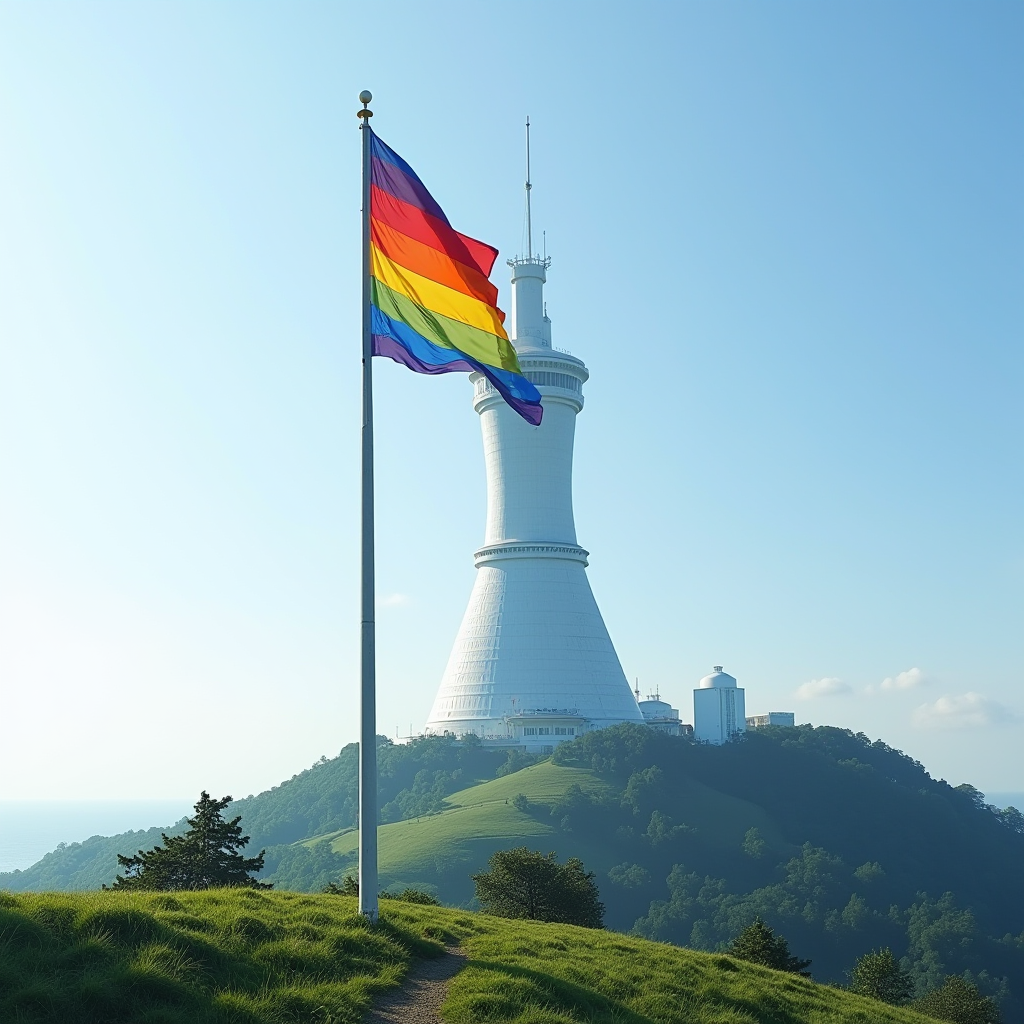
(415, 223)
(430, 263)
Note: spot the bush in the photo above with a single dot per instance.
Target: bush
(412, 896)
(524, 883)
(878, 974)
(959, 1001)
(350, 887)
(758, 944)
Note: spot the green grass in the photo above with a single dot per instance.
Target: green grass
(530, 973)
(478, 821)
(275, 957)
(440, 852)
(225, 955)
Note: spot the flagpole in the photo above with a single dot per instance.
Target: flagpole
(368, 682)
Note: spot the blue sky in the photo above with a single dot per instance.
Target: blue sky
(788, 240)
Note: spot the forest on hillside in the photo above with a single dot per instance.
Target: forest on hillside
(840, 843)
(864, 849)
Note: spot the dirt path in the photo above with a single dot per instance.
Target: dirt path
(422, 993)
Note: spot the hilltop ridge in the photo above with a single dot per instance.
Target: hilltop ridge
(841, 843)
(262, 957)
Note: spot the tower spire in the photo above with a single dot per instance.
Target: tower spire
(529, 256)
(529, 186)
(533, 663)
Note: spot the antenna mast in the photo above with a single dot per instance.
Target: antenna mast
(529, 218)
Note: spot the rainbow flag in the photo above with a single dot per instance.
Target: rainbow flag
(433, 307)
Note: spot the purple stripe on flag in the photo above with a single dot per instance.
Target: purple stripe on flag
(385, 345)
(390, 178)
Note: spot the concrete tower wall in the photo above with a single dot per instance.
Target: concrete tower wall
(529, 471)
(533, 659)
(532, 639)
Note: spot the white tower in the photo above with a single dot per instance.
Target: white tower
(533, 661)
(719, 708)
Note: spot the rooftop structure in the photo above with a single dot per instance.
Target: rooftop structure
(772, 718)
(659, 714)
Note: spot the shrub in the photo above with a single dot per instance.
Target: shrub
(878, 974)
(758, 944)
(349, 887)
(412, 896)
(959, 1001)
(524, 883)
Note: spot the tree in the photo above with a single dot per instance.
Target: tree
(958, 1000)
(524, 883)
(753, 844)
(878, 974)
(204, 857)
(350, 887)
(408, 895)
(760, 945)
(1012, 819)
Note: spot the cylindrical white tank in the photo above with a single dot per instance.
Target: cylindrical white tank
(719, 708)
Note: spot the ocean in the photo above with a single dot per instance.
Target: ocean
(31, 828)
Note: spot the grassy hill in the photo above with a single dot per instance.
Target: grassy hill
(474, 823)
(254, 957)
(840, 843)
(440, 851)
(413, 780)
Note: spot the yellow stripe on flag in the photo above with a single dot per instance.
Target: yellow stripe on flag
(435, 297)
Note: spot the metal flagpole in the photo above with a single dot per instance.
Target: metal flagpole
(368, 682)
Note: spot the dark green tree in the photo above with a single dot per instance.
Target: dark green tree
(408, 895)
(753, 844)
(879, 974)
(958, 1000)
(760, 945)
(524, 883)
(349, 887)
(205, 857)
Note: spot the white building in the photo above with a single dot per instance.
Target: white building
(533, 662)
(660, 715)
(719, 712)
(772, 718)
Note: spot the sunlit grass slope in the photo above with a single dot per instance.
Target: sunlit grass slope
(224, 955)
(478, 821)
(548, 974)
(434, 849)
(273, 957)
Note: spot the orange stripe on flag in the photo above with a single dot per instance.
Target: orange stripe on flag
(430, 263)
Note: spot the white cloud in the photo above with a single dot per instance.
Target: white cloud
(394, 601)
(968, 711)
(908, 680)
(827, 687)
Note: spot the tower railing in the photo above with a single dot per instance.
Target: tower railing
(522, 261)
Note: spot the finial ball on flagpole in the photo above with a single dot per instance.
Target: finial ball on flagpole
(365, 96)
